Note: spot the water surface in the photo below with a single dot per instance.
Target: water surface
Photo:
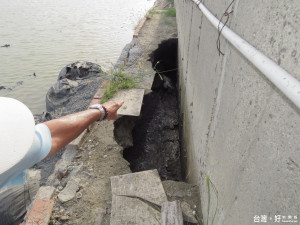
(45, 35)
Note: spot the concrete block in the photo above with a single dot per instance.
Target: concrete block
(189, 196)
(45, 193)
(99, 93)
(74, 145)
(171, 213)
(133, 100)
(33, 179)
(68, 155)
(137, 198)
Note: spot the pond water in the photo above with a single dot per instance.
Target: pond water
(45, 35)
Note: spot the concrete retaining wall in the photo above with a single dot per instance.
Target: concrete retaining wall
(238, 128)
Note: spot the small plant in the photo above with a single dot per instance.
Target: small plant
(171, 12)
(119, 81)
(154, 11)
(148, 16)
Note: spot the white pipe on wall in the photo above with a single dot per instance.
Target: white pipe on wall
(284, 81)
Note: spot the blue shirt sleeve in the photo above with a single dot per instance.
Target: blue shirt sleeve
(42, 132)
(39, 150)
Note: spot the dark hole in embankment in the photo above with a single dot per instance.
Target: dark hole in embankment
(155, 142)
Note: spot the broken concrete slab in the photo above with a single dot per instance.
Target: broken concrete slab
(137, 198)
(99, 93)
(61, 167)
(171, 213)
(189, 197)
(74, 145)
(45, 193)
(33, 179)
(133, 100)
(69, 191)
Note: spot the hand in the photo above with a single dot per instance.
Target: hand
(112, 108)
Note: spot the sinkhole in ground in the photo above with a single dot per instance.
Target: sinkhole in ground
(152, 141)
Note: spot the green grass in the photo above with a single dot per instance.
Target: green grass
(169, 21)
(151, 12)
(119, 81)
(154, 11)
(171, 12)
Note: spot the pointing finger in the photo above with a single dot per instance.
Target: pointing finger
(120, 104)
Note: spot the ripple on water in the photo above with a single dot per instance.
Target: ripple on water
(45, 35)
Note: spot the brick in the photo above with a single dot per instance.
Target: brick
(40, 212)
(140, 26)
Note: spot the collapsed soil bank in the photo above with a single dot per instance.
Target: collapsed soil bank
(156, 143)
(155, 134)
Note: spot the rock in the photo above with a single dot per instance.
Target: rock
(61, 167)
(189, 196)
(64, 182)
(64, 218)
(76, 82)
(61, 173)
(188, 213)
(60, 92)
(78, 70)
(69, 191)
(78, 195)
(56, 183)
(60, 188)
(124, 54)
(2, 87)
(33, 179)
(45, 193)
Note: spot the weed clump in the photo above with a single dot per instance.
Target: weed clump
(119, 81)
(171, 12)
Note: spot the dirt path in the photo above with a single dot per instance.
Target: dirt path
(100, 157)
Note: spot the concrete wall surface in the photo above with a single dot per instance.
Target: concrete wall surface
(238, 128)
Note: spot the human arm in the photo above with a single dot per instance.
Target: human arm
(67, 128)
